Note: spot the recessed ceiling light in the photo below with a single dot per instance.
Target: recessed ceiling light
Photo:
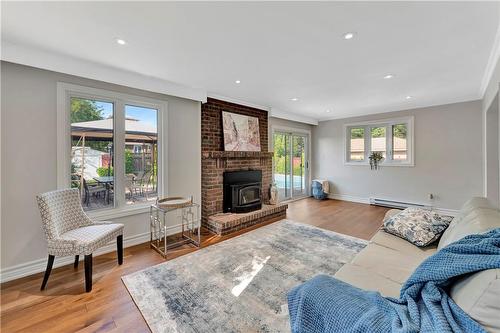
(295, 99)
(121, 41)
(328, 111)
(388, 76)
(349, 35)
(409, 97)
(237, 81)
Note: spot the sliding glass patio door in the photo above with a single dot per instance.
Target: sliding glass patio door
(290, 167)
(299, 164)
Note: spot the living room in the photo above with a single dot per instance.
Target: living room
(250, 167)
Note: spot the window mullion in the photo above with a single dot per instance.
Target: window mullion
(349, 146)
(368, 143)
(119, 154)
(162, 120)
(388, 141)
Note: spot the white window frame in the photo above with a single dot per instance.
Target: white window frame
(387, 123)
(66, 91)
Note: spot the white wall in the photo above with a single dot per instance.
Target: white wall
(284, 123)
(492, 153)
(491, 149)
(448, 158)
(492, 87)
(28, 157)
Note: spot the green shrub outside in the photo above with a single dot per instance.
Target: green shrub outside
(129, 166)
(103, 171)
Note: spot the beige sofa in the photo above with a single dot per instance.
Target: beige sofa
(387, 261)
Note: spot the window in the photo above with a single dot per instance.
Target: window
(357, 144)
(92, 135)
(391, 137)
(110, 147)
(141, 154)
(399, 142)
(378, 141)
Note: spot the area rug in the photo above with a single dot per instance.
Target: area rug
(238, 285)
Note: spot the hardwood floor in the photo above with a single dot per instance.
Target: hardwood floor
(65, 307)
(349, 218)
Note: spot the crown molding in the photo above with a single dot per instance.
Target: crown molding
(35, 57)
(292, 116)
(271, 111)
(239, 101)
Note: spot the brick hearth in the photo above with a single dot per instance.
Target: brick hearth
(215, 161)
(224, 223)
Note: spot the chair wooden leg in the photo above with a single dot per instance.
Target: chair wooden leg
(119, 249)
(50, 262)
(77, 258)
(88, 272)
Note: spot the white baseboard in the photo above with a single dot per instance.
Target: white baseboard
(39, 265)
(443, 211)
(349, 198)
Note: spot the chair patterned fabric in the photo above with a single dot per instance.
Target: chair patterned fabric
(69, 231)
(90, 238)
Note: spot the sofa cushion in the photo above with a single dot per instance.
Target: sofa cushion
(391, 264)
(383, 238)
(479, 296)
(417, 225)
(391, 212)
(476, 221)
(473, 204)
(365, 279)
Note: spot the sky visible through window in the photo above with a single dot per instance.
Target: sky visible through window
(146, 115)
(106, 109)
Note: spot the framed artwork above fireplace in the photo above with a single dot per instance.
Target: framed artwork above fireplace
(241, 133)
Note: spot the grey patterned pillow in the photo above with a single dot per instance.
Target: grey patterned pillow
(418, 226)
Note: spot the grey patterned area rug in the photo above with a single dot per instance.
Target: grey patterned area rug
(238, 285)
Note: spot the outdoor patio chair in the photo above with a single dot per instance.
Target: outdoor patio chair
(139, 175)
(145, 181)
(70, 232)
(95, 190)
(131, 185)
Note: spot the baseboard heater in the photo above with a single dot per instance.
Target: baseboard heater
(395, 204)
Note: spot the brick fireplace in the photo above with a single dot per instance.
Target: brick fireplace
(215, 161)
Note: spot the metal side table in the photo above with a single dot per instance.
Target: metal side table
(189, 227)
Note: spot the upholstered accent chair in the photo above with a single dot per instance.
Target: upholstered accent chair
(70, 232)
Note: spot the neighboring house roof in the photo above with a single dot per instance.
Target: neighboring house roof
(378, 144)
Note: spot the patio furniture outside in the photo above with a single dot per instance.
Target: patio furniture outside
(107, 181)
(91, 190)
(131, 185)
(92, 156)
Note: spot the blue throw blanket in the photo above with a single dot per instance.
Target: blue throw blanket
(325, 304)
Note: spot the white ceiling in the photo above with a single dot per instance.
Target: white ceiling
(437, 52)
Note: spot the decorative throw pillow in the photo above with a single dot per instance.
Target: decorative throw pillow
(418, 226)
